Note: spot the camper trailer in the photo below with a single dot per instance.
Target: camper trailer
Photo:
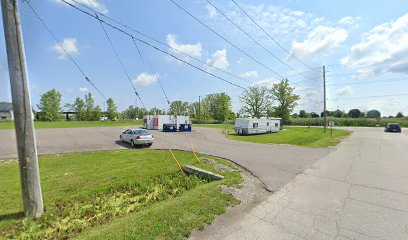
(156, 122)
(248, 126)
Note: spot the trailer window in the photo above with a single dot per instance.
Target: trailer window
(255, 125)
(276, 125)
(267, 124)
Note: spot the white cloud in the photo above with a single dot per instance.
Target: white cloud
(95, 4)
(249, 74)
(268, 82)
(350, 21)
(190, 49)
(211, 10)
(322, 39)
(145, 79)
(83, 90)
(344, 91)
(219, 59)
(70, 46)
(382, 49)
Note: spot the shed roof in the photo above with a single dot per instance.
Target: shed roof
(6, 107)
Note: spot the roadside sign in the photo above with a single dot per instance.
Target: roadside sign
(331, 123)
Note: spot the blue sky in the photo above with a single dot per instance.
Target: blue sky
(362, 43)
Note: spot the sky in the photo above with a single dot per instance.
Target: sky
(362, 44)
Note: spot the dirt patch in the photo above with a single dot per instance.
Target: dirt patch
(251, 194)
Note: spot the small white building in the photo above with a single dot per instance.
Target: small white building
(6, 111)
(155, 122)
(248, 126)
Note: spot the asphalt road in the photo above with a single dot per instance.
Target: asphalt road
(358, 191)
(273, 165)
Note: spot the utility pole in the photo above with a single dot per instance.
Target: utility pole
(324, 100)
(23, 115)
(199, 109)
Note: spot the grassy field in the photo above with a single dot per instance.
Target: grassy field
(300, 136)
(220, 126)
(75, 124)
(137, 194)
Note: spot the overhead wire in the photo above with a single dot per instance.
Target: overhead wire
(255, 41)
(150, 45)
(71, 58)
(148, 61)
(163, 44)
(273, 39)
(116, 54)
(226, 40)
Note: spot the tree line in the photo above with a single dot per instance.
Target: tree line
(257, 101)
(85, 110)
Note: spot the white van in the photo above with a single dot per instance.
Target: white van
(248, 126)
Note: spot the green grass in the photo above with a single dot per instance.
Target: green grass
(220, 126)
(96, 191)
(75, 124)
(300, 136)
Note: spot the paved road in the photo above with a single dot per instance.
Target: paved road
(274, 165)
(359, 191)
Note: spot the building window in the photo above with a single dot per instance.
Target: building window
(255, 125)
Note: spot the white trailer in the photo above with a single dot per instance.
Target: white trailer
(248, 126)
(155, 122)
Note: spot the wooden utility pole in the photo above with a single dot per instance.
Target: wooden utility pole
(324, 100)
(23, 115)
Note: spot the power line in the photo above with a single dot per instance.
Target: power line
(263, 30)
(65, 51)
(226, 40)
(116, 54)
(255, 41)
(143, 61)
(158, 79)
(150, 45)
(162, 43)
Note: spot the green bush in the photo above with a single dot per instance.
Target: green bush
(348, 122)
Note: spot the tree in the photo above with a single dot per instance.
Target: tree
(96, 113)
(219, 106)
(303, 114)
(134, 112)
(50, 105)
(112, 110)
(339, 114)
(399, 115)
(89, 107)
(354, 113)
(373, 114)
(79, 108)
(314, 115)
(178, 108)
(256, 101)
(283, 93)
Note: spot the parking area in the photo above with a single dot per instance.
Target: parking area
(273, 165)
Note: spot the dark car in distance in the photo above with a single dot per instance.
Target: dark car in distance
(392, 127)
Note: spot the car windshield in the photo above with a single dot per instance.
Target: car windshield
(393, 126)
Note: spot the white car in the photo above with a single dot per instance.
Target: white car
(137, 137)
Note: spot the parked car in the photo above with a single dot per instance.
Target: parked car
(393, 127)
(137, 137)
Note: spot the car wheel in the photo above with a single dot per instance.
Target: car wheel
(132, 144)
(149, 145)
(121, 139)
